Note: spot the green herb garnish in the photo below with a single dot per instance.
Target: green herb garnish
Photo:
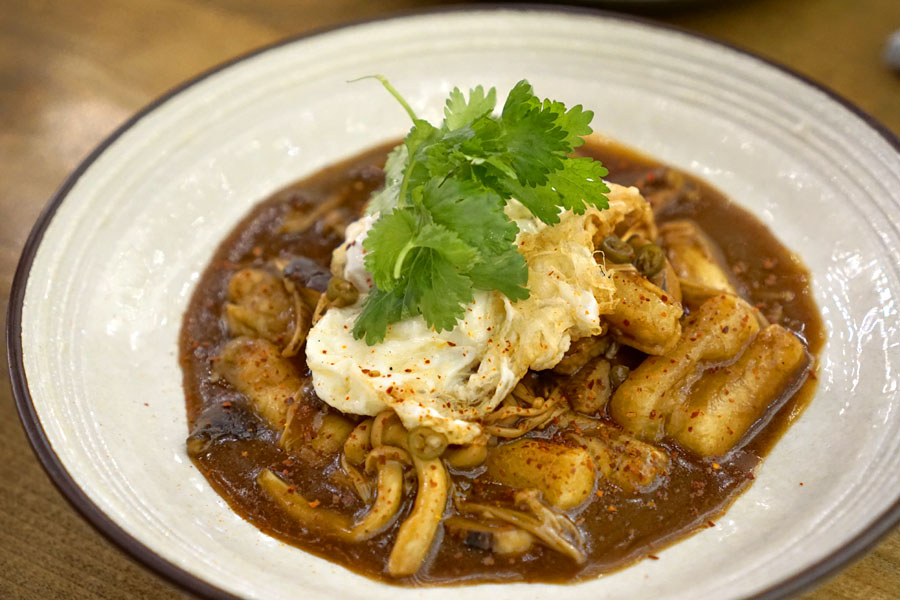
(442, 231)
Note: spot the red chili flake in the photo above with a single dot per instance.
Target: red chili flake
(652, 557)
(314, 504)
(226, 404)
(244, 453)
(626, 322)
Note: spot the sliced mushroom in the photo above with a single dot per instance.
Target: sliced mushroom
(299, 219)
(696, 260)
(255, 368)
(331, 432)
(357, 480)
(589, 389)
(302, 320)
(627, 462)
(259, 306)
(581, 352)
(667, 280)
(358, 444)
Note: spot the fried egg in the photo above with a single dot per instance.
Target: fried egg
(449, 380)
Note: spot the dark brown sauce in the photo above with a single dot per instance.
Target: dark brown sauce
(621, 528)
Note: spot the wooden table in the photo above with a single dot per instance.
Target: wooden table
(72, 71)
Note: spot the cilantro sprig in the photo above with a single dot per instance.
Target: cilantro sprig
(442, 231)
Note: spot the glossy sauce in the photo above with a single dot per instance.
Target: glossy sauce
(620, 528)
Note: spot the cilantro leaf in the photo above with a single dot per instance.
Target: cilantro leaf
(394, 236)
(380, 309)
(579, 183)
(421, 137)
(542, 201)
(440, 288)
(385, 200)
(506, 272)
(575, 122)
(448, 244)
(459, 112)
(474, 211)
(384, 244)
(443, 231)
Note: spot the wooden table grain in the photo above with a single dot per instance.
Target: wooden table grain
(72, 71)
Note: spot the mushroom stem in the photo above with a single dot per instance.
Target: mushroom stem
(299, 508)
(379, 516)
(388, 499)
(417, 533)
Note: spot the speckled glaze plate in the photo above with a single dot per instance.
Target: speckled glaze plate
(110, 266)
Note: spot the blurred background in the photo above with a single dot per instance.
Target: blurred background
(71, 72)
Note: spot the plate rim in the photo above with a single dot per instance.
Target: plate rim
(812, 575)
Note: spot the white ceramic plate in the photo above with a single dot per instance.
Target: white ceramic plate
(109, 268)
